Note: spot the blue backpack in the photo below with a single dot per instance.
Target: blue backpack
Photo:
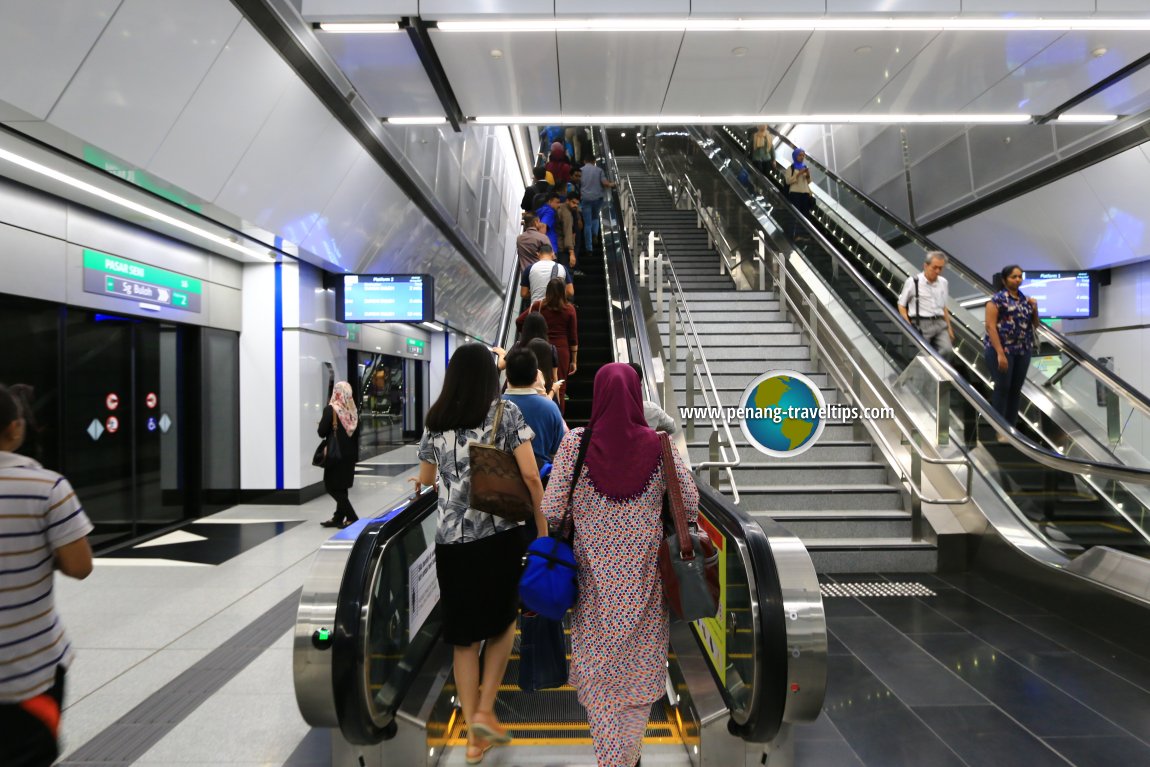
(549, 584)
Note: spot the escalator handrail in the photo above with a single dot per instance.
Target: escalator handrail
(509, 313)
(1064, 344)
(1019, 441)
(349, 678)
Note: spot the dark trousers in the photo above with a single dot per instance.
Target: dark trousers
(805, 204)
(28, 730)
(1007, 396)
(343, 509)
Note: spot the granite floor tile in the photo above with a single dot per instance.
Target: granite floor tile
(825, 753)
(1040, 706)
(1132, 667)
(913, 616)
(913, 675)
(993, 627)
(866, 712)
(983, 735)
(1102, 752)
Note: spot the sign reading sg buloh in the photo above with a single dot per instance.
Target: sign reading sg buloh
(117, 277)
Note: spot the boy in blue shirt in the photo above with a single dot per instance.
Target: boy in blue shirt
(540, 412)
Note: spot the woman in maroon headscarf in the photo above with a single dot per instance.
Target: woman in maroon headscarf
(619, 625)
(559, 167)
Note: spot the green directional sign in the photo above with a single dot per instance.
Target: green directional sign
(415, 346)
(132, 281)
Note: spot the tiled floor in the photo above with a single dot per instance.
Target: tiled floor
(974, 675)
(143, 618)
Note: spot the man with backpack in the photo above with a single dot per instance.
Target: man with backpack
(535, 279)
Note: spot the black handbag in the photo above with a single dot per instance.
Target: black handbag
(542, 653)
(328, 453)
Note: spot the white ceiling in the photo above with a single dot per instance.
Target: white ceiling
(738, 72)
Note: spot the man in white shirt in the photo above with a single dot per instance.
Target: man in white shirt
(534, 283)
(922, 303)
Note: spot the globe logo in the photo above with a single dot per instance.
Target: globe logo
(782, 413)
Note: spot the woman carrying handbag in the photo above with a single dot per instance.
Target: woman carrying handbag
(478, 554)
(619, 626)
(340, 424)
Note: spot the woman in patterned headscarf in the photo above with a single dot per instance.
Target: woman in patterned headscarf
(338, 476)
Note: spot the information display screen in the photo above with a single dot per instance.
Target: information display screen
(387, 298)
(1062, 295)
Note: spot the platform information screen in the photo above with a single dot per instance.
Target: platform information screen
(387, 298)
(1062, 294)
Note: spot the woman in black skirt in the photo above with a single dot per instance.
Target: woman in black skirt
(341, 417)
(477, 556)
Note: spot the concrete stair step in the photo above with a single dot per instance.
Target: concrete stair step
(784, 472)
(819, 497)
(832, 432)
(726, 316)
(726, 307)
(738, 382)
(777, 358)
(843, 524)
(748, 351)
(873, 555)
(822, 451)
(729, 297)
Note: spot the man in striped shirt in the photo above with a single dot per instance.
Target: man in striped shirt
(42, 527)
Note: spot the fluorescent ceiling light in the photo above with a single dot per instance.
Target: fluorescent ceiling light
(432, 325)
(431, 120)
(826, 119)
(840, 23)
(132, 205)
(359, 27)
(1085, 118)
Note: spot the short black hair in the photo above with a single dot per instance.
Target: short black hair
(554, 196)
(470, 385)
(529, 220)
(574, 196)
(545, 248)
(540, 172)
(10, 409)
(521, 367)
(638, 369)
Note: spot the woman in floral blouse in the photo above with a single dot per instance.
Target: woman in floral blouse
(1010, 321)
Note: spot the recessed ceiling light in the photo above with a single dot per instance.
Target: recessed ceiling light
(1087, 118)
(862, 50)
(781, 24)
(1099, 52)
(496, 53)
(739, 52)
(359, 28)
(429, 120)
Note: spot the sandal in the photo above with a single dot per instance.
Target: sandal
(491, 731)
(476, 752)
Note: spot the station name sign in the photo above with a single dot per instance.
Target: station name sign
(117, 277)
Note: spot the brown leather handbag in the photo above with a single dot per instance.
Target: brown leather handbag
(497, 486)
(688, 561)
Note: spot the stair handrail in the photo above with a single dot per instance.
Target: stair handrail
(1078, 355)
(1020, 442)
(679, 314)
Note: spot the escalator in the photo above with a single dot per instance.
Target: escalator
(368, 660)
(1069, 474)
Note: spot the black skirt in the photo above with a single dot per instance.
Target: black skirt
(479, 584)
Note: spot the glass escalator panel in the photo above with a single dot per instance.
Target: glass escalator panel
(1068, 409)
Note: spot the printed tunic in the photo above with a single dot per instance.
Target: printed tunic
(1015, 323)
(448, 450)
(619, 628)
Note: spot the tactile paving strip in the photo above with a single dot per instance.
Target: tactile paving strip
(875, 589)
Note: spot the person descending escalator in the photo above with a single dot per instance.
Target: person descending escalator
(798, 183)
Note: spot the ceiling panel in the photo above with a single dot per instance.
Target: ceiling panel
(1063, 70)
(386, 72)
(141, 73)
(956, 68)
(524, 80)
(45, 43)
(837, 73)
(616, 74)
(591, 8)
(747, 65)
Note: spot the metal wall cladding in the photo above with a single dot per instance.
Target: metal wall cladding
(942, 180)
(999, 152)
(880, 159)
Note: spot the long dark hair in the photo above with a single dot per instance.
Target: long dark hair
(556, 298)
(10, 409)
(470, 385)
(534, 326)
(544, 355)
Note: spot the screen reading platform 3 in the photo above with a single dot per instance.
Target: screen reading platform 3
(1062, 294)
(387, 298)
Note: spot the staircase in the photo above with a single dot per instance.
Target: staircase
(837, 496)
